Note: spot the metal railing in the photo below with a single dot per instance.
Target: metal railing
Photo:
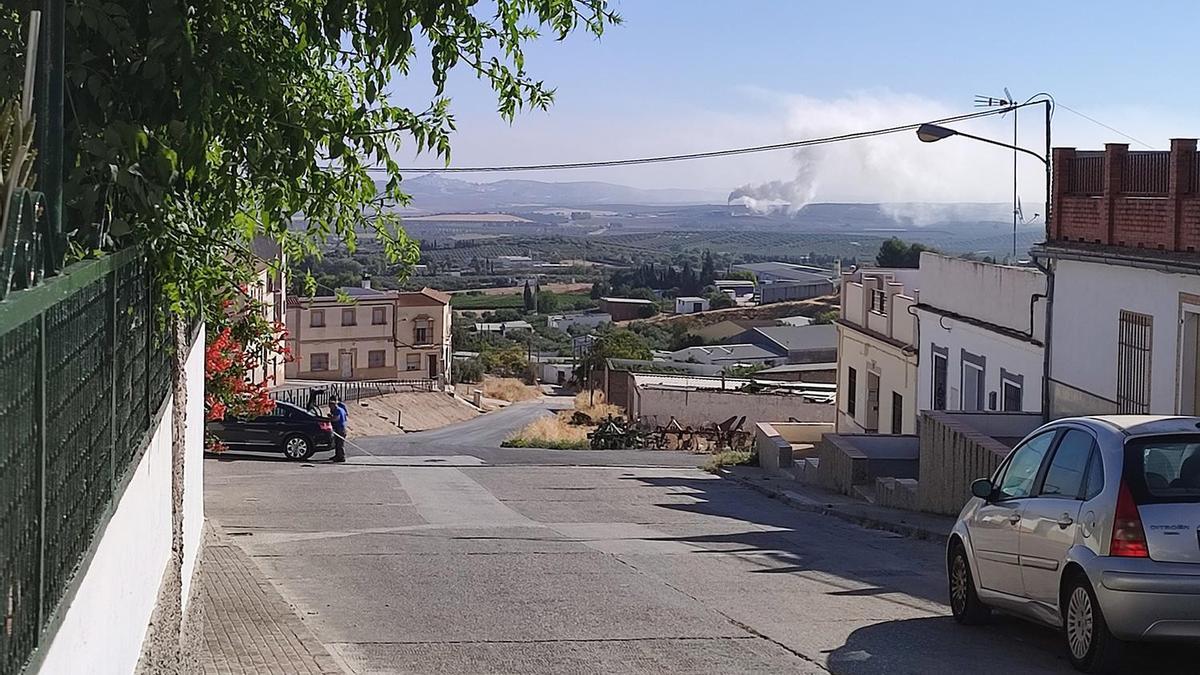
(317, 395)
(1146, 173)
(1086, 174)
(84, 372)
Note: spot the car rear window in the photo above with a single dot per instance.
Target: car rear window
(1164, 469)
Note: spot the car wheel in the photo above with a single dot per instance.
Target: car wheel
(297, 447)
(964, 601)
(1090, 645)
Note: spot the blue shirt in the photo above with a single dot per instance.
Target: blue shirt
(338, 417)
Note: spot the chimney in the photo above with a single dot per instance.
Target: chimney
(366, 281)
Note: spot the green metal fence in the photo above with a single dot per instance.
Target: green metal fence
(84, 372)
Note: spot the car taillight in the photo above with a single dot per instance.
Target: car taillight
(1128, 536)
(325, 426)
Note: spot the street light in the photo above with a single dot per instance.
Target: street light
(931, 133)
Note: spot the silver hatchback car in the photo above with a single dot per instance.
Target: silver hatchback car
(1090, 525)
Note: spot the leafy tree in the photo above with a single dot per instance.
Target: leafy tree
(506, 361)
(708, 270)
(468, 370)
(743, 275)
(549, 302)
(826, 317)
(195, 126)
(600, 289)
(719, 300)
(530, 302)
(895, 252)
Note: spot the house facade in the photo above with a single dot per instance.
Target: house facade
(877, 352)
(270, 290)
(376, 335)
(1122, 254)
(982, 334)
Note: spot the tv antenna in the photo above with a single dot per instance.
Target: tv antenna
(1010, 104)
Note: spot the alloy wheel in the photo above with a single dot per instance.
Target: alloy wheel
(1080, 622)
(958, 584)
(296, 447)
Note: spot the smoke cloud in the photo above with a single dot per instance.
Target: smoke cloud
(897, 169)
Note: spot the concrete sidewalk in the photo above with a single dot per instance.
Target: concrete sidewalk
(817, 500)
(248, 627)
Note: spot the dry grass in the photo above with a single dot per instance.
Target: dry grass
(508, 389)
(595, 407)
(550, 432)
(727, 458)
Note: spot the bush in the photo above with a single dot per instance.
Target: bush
(508, 389)
(728, 458)
(506, 361)
(468, 370)
(550, 432)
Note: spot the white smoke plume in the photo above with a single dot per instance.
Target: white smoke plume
(898, 170)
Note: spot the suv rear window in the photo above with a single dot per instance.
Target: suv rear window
(1164, 469)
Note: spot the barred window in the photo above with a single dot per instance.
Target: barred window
(1133, 363)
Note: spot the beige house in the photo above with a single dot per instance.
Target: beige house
(377, 335)
(877, 352)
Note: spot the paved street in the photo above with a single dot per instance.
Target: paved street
(518, 568)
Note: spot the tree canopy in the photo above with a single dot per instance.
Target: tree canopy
(194, 126)
(896, 252)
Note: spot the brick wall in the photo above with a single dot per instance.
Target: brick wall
(1162, 221)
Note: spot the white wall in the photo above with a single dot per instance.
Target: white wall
(700, 407)
(103, 627)
(1088, 299)
(997, 294)
(897, 372)
(1000, 351)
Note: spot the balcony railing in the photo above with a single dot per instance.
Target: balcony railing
(1086, 174)
(84, 373)
(1146, 173)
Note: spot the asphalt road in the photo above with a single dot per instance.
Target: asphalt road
(456, 564)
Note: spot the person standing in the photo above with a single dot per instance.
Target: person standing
(338, 419)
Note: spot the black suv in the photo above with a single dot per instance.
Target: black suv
(289, 429)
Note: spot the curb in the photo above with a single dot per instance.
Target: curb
(826, 509)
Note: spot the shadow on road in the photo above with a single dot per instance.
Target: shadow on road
(885, 647)
(892, 566)
(240, 456)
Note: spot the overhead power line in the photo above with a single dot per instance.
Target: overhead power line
(1093, 120)
(706, 155)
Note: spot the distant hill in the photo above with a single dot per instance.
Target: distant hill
(434, 192)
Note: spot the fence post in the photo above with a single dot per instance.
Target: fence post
(113, 289)
(41, 589)
(149, 328)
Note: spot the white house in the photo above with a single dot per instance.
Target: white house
(687, 304)
(1125, 311)
(877, 353)
(982, 335)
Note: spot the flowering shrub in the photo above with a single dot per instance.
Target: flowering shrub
(231, 355)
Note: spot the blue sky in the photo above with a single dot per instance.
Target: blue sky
(685, 75)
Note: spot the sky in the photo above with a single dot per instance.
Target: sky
(693, 75)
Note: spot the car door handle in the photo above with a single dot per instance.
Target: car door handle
(1065, 521)
(1014, 518)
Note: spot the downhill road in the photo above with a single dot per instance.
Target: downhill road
(411, 559)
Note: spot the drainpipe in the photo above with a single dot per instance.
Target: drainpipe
(1048, 270)
(1033, 301)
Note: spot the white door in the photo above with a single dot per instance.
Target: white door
(995, 527)
(346, 364)
(1050, 520)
